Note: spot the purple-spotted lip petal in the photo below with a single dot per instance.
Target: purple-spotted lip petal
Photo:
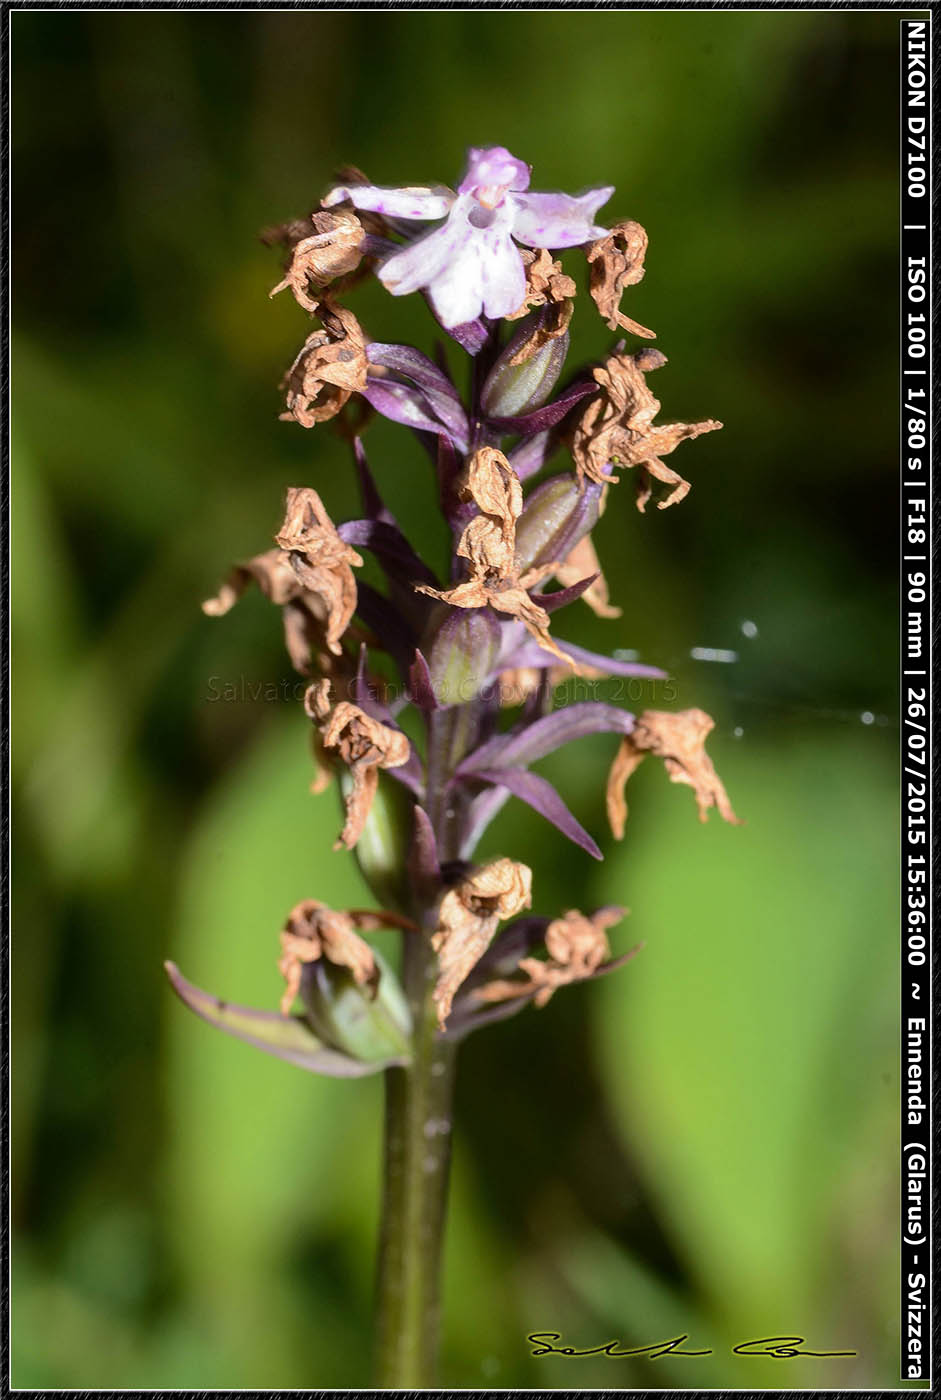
(483, 270)
(420, 262)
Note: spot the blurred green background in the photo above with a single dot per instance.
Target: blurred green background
(705, 1143)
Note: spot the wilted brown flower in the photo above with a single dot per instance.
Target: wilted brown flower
(272, 573)
(519, 682)
(577, 946)
(320, 559)
(617, 429)
(309, 577)
(679, 740)
(467, 920)
(617, 261)
(303, 613)
(489, 543)
(331, 250)
(580, 563)
(546, 285)
(493, 486)
(330, 366)
(313, 931)
(363, 744)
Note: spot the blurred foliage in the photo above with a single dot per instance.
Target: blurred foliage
(705, 1143)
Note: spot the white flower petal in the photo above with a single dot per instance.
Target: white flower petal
(409, 202)
(484, 269)
(456, 294)
(419, 263)
(503, 276)
(558, 220)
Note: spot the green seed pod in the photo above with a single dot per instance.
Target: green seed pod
(509, 389)
(382, 848)
(556, 516)
(463, 654)
(367, 1023)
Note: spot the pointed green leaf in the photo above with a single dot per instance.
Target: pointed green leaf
(288, 1037)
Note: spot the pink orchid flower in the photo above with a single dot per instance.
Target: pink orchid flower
(471, 263)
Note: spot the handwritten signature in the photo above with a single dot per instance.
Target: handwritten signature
(778, 1348)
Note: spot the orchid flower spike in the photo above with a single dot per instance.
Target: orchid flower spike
(471, 263)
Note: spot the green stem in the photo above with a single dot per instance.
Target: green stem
(415, 1182)
(418, 1116)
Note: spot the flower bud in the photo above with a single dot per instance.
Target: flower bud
(382, 848)
(556, 516)
(511, 389)
(463, 654)
(367, 1023)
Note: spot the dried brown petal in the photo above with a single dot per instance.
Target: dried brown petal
(314, 931)
(510, 596)
(304, 613)
(467, 920)
(273, 575)
(305, 635)
(474, 593)
(489, 540)
(330, 366)
(320, 559)
(363, 744)
(580, 563)
(484, 542)
(546, 283)
(617, 261)
(489, 543)
(330, 250)
(577, 947)
(553, 324)
(520, 682)
(626, 760)
(514, 600)
(493, 486)
(616, 429)
(678, 739)
(348, 176)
